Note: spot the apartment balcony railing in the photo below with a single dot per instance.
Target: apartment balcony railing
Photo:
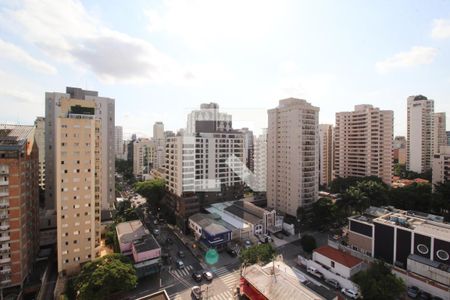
(4, 182)
(4, 227)
(5, 271)
(3, 193)
(5, 260)
(3, 216)
(5, 250)
(4, 204)
(4, 238)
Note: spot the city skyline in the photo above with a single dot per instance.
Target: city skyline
(245, 67)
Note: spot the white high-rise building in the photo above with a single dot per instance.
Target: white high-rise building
(260, 160)
(292, 156)
(326, 154)
(119, 142)
(104, 111)
(440, 133)
(144, 153)
(160, 143)
(420, 136)
(208, 113)
(363, 143)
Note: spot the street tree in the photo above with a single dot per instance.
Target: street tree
(153, 190)
(262, 253)
(378, 282)
(308, 243)
(105, 276)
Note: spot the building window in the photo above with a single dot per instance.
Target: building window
(332, 264)
(423, 249)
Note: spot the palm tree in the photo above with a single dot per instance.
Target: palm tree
(355, 199)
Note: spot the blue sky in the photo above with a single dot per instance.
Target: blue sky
(161, 59)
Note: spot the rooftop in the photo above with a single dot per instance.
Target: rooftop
(128, 232)
(160, 295)
(339, 256)
(212, 223)
(146, 243)
(12, 136)
(278, 281)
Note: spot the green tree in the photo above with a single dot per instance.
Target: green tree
(124, 212)
(441, 199)
(125, 168)
(355, 199)
(378, 282)
(105, 276)
(416, 196)
(262, 253)
(377, 192)
(324, 212)
(308, 243)
(153, 190)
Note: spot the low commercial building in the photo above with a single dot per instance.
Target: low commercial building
(338, 261)
(210, 230)
(136, 241)
(277, 280)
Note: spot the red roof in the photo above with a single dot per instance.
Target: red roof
(338, 256)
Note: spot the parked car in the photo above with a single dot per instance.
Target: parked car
(197, 276)
(333, 282)
(424, 295)
(314, 272)
(207, 275)
(196, 292)
(350, 293)
(156, 231)
(180, 254)
(413, 291)
(180, 264)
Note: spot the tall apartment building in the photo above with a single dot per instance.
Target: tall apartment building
(400, 150)
(440, 133)
(39, 136)
(248, 148)
(325, 154)
(448, 138)
(209, 112)
(77, 149)
(118, 148)
(160, 144)
(144, 156)
(441, 165)
(420, 138)
(197, 172)
(261, 162)
(363, 141)
(19, 203)
(104, 112)
(292, 156)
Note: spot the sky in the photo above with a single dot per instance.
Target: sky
(161, 59)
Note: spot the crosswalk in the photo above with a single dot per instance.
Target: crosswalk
(182, 272)
(227, 295)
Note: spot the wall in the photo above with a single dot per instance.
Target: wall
(338, 268)
(139, 257)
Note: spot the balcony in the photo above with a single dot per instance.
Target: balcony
(4, 182)
(5, 250)
(4, 227)
(5, 271)
(4, 204)
(5, 260)
(3, 216)
(4, 193)
(4, 238)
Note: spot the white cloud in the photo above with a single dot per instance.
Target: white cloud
(12, 52)
(65, 31)
(441, 29)
(202, 23)
(415, 56)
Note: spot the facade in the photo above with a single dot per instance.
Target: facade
(441, 165)
(399, 150)
(144, 156)
(337, 261)
(420, 136)
(440, 135)
(128, 232)
(39, 136)
(209, 113)
(119, 142)
(159, 139)
(292, 156)
(448, 138)
(363, 143)
(19, 203)
(325, 154)
(248, 149)
(260, 162)
(104, 112)
(76, 149)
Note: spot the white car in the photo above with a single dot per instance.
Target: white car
(207, 275)
(196, 292)
(350, 293)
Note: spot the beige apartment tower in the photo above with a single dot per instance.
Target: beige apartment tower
(363, 143)
(440, 133)
(441, 165)
(420, 136)
(326, 154)
(292, 156)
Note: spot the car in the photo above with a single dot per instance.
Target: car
(207, 275)
(247, 244)
(180, 254)
(413, 291)
(350, 293)
(333, 282)
(424, 295)
(196, 292)
(180, 264)
(197, 276)
(314, 272)
(156, 231)
(232, 252)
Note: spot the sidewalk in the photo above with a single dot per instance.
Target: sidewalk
(188, 241)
